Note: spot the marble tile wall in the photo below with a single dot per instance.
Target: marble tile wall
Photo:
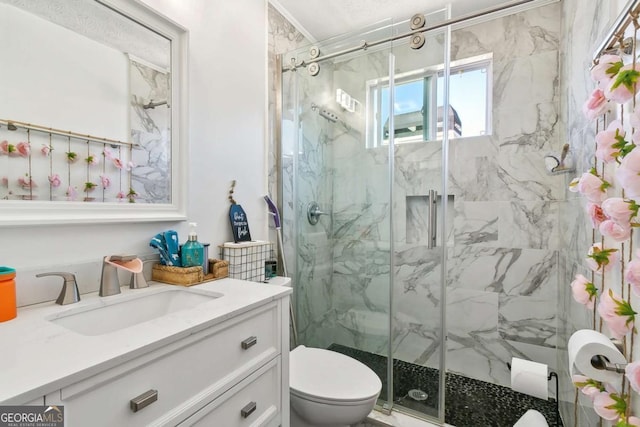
(151, 129)
(516, 237)
(282, 37)
(504, 237)
(502, 250)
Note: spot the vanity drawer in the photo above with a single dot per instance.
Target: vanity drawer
(253, 402)
(186, 374)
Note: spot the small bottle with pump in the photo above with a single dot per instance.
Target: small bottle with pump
(192, 254)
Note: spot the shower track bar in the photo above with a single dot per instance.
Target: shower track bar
(12, 124)
(364, 45)
(615, 35)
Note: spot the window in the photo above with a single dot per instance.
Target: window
(419, 100)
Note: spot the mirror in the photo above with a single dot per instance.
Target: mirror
(92, 122)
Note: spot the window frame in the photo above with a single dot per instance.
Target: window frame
(375, 87)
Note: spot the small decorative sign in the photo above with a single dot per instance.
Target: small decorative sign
(238, 218)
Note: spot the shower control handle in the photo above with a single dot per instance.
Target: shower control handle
(432, 220)
(314, 213)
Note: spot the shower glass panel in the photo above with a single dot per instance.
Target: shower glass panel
(343, 242)
(420, 219)
(455, 221)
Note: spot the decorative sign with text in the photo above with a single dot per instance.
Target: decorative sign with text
(239, 224)
(238, 218)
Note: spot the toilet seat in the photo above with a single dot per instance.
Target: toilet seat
(325, 376)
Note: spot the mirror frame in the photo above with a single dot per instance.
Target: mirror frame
(17, 212)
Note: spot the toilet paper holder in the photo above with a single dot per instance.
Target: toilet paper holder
(557, 401)
(602, 363)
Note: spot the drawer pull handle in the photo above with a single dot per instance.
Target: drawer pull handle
(248, 410)
(249, 342)
(144, 400)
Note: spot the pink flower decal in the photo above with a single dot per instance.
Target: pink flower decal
(121, 195)
(130, 166)
(632, 372)
(628, 174)
(587, 386)
(584, 291)
(620, 210)
(46, 150)
(596, 105)
(23, 149)
(132, 195)
(26, 182)
(590, 186)
(4, 181)
(601, 259)
(71, 193)
(615, 231)
(596, 214)
(607, 67)
(609, 406)
(92, 160)
(611, 143)
(616, 313)
(107, 154)
(117, 162)
(632, 273)
(55, 180)
(106, 182)
(623, 87)
(6, 148)
(72, 156)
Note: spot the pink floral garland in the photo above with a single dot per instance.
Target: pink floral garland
(614, 218)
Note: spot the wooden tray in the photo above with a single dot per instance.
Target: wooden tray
(189, 276)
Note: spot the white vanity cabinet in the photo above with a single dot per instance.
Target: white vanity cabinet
(234, 373)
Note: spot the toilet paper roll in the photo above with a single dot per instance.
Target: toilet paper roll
(529, 378)
(586, 343)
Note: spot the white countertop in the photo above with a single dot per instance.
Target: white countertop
(38, 356)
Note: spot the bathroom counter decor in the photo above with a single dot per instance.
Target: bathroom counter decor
(189, 276)
(162, 355)
(246, 260)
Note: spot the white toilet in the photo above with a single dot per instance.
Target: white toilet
(329, 388)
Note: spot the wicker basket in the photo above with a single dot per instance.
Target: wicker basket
(189, 276)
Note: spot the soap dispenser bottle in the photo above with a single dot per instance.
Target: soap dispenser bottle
(192, 254)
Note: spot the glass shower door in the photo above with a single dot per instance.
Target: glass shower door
(421, 209)
(340, 199)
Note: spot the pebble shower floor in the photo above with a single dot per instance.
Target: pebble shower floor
(469, 402)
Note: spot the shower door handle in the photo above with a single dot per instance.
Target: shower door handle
(432, 220)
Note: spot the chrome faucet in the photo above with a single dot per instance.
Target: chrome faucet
(109, 282)
(138, 281)
(69, 293)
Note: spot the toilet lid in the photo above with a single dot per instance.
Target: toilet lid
(327, 375)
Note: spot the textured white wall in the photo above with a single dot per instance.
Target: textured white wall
(227, 104)
(55, 77)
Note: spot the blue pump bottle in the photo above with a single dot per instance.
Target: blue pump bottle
(192, 254)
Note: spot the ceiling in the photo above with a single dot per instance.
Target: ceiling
(322, 19)
(103, 25)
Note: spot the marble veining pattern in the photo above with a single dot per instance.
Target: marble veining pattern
(151, 129)
(502, 248)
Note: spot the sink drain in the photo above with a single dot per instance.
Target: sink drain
(418, 395)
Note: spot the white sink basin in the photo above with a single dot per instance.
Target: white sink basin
(123, 311)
